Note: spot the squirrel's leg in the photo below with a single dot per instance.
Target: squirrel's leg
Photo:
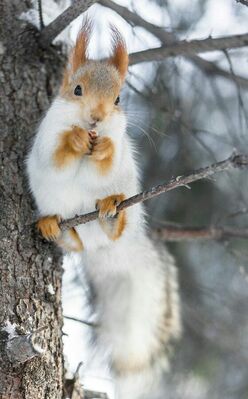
(102, 153)
(73, 144)
(112, 223)
(49, 228)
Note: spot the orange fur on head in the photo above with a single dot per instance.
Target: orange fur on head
(120, 56)
(78, 54)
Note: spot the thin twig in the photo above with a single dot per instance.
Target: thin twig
(180, 181)
(87, 323)
(189, 233)
(40, 14)
(240, 99)
(73, 388)
(188, 48)
(167, 37)
(136, 20)
(210, 68)
(52, 30)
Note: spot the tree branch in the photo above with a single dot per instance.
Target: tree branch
(166, 37)
(244, 2)
(40, 14)
(188, 233)
(188, 48)
(49, 33)
(210, 68)
(233, 161)
(135, 19)
(52, 30)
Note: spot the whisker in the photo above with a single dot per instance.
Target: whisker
(155, 130)
(146, 134)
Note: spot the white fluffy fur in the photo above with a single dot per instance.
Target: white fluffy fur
(134, 283)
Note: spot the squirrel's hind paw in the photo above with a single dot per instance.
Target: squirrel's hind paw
(108, 206)
(113, 223)
(49, 228)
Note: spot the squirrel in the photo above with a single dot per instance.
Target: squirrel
(81, 159)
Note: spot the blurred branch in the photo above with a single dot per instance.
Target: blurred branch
(185, 47)
(168, 38)
(78, 7)
(87, 323)
(135, 19)
(237, 161)
(40, 14)
(189, 233)
(240, 99)
(94, 395)
(244, 2)
(73, 388)
(52, 30)
(212, 69)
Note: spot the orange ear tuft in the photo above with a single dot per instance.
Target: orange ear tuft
(79, 53)
(120, 56)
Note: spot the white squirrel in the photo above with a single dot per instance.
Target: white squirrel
(82, 158)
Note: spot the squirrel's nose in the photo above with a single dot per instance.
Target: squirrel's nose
(96, 118)
(98, 114)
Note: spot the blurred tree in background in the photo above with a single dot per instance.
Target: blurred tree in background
(194, 117)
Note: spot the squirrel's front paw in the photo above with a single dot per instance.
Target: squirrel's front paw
(108, 206)
(80, 140)
(103, 148)
(48, 226)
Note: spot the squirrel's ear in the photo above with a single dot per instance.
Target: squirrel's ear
(119, 56)
(79, 53)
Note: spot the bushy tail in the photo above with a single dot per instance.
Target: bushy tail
(139, 316)
(141, 385)
(145, 383)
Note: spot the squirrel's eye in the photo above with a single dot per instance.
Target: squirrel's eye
(117, 100)
(78, 90)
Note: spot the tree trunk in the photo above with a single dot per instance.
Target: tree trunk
(30, 270)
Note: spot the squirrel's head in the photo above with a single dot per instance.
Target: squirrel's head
(95, 85)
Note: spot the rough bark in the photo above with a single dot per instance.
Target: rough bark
(30, 270)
